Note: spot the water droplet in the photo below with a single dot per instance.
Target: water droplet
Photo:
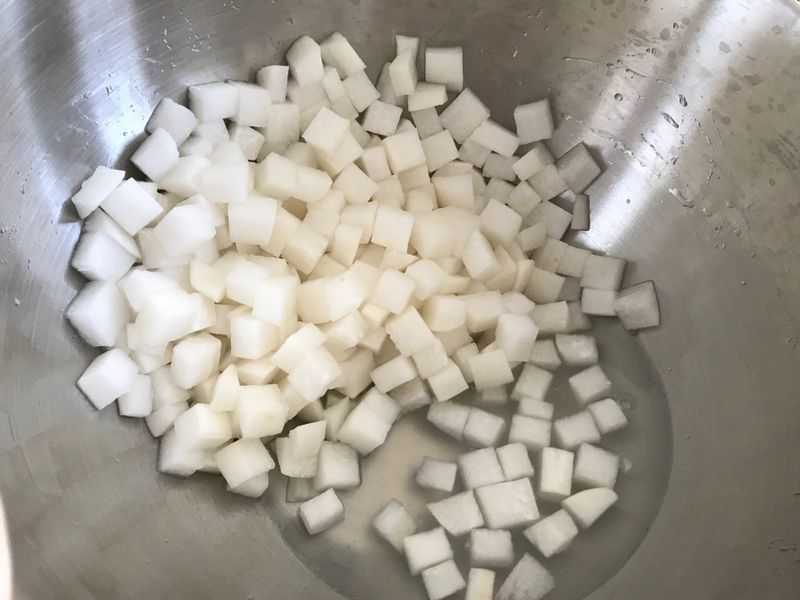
(618, 97)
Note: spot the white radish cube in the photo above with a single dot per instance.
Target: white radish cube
(315, 375)
(298, 454)
(496, 138)
(326, 130)
(303, 154)
(517, 304)
(544, 287)
(448, 383)
(499, 167)
(346, 333)
(570, 432)
(497, 396)
(552, 317)
(260, 411)
(437, 475)
(404, 151)
(432, 360)
(578, 168)
(364, 429)
(572, 261)
(321, 512)
(427, 122)
(131, 206)
(444, 313)
(589, 385)
(508, 505)
(523, 199)
(577, 350)
(455, 190)
(356, 186)
(276, 176)
(185, 228)
(479, 257)
(212, 101)
(276, 301)
(464, 115)
(608, 416)
(404, 43)
(96, 189)
(195, 359)
(595, 467)
(337, 467)
(252, 488)
(462, 357)
(201, 427)
(533, 382)
(183, 179)
(253, 221)
(411, 395)
(254, 103)
(409, 332)
(556, 219)
(445, 66)
(255, 372)
(580, 213)
(458, 514)
(394, 524)
(483, 311)
(138, 402)
(390, 192)
(528, 580)
(427, 276)
(490, 370)
(439, 150)
(473, 153)
(500, 191)
(393, 373)
(549, 256)
(99, 221)
(360, 90)
(589, 505)
(534, 121)
(177, 120)
(177, 458)
(251, 337)
(243, 460)
(160, 421)
(426, 549)
(533, 237)
(305, 248)
(603, 272)
(515, 462)
(533, 407)
(213, 130)
(334, 417)
(283, 127)
(480, 583)
(362, 216)
(337, 52)
(374, 163)
(548, 184)
(165, 392)
(443, 580)
(480, 467)
(555, 474)
(305, 61)
(524, 271)
(490, 548)
(386, 88)
(99, 256)
(310, 411)
(598, 303)
(393, 291)
(532, 433)
(553, 534)
(515, 336)
(355, 373)
(403, 73)
(449, 417)
(427, 95)
(275, 79)
(637, 306)
(483, 429)
(225, 393)
(382, 118)
(109, 376)
(454, 339)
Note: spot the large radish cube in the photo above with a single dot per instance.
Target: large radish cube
(532, 433)
(533, 161)
(96, 189)
(165, 392)
(315, 375)
(637, 306)
(426, 549)
(195, 359)
(533, 407)
(600, 303)
(305, 248)
(483, 428)
(260, 411)
(572, 261)
(444, 313)
(393, 373)
(403, 73)
(479, 258)
(427, 276)
(138, 402)
(589, 385)
(500, 223)
(534, 122)
(99, 256)
(515, 461)
(411, 395)
(251, 337)
(555, 474)
(532, 237)
(225, 393)
(439, 150)
(360, 90)
(464, 115)
(409, 332)
(337, 52)
(491, 548)
(445, 66)
(603, 272)
(253, 487)
(276, 301)
(305, 61)
(448, 383)
(326, 130)
(131, 206)
(356, 186)
(432, 360)
(578, 168)
(457, 190)
(404, 151)
(160, 421)
(533, 382)
(608, 415)
(427, 122)
(99, 313)
(276, 176)
(528, 580)
(99, 221)
(479, 468)
(515, 336)
(443, 580)
(508, 505)
(275, 79)
(490, 370)
(177, 458)
(483, 311)
(577, 350)
(212, 101)
(523, 199)
(570, 432)
(337, 467)
(243, 460)
(382, 118)
(364, 429)
(589, 505)
(283, 127)
(184, 229)
(202, 427)
(552, 318)
(393, 291)
(458, 514)
(548, 184)
(252, 222)
(374, 163)
(449, 417)
(595, 467)
(499, 167)
(156, 155)
(108, 377)
(473, 153)
(496, 138)
(553, 534)
(437, 475)
(321, 512)
(394, 524)
(427, 95)
(177, 120)
(544, 287)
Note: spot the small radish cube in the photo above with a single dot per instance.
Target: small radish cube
(99, 221)
(427, 122)
(532, 433)
(449, 417)
(96, 189)
(603, 272)
(326, 130)
(298, 454)
(394, 524)
(131, 206)
(483, 429)
(243, 460)
(455, 190)
(483, 311)
(409, 332)
(578, 168)
(496, 396)
(480, 467)
(315, 375)
(517, 304)
(464, 115)
(138, 402)
(225, 393)
(276, 176)
(499, 167)
(362, 216)
(260, 411)
(275, 79)
(177, 120)
(437, 475)
(393, 291)
(297, 346)
(337, 52)
(109, 376)
(411, 396)
(364, 429)
(534, 121)
(553, 534)
(555, 474)
(165, 392)
(427, 276)
(439, 150)
(637, 306)
(346, 333)
(555, 218)
(536, 159)
(195, 359)
(443, 580)
(533, 407)
(404, 151)
(500, 191)
(160, 421)
(508, 505)
(185, 228)
(473, 153)
(454, 339)
(479, 258)
(300, 490)
(252, 338)
(177, 458)
(548, 184)
(532, 237)
(528, 580)
(552, 318)
(490, 548)
(490, 370)
(305, 61)
(212, 101)
(577, 350)
(533, 382)
(548, 257)
(283, 127)
(382, 118)
(600, 303)
(458, 514)
(589, 505)
(431, 361)
(445, 66)
(99, 256)
(580, 213)
(444, 313)
(321, 512)
(480, 584)
(356, 186)
(608, 416)
(374, 163)
(201, 427)
(355, 373)
(276, 301)
(427, 95)
(255, 372)
(448, 383)
(360, 90)
(254, 104)
(393, 373)
(426, 549)
(515, 336)
(99, 313)
(334, 417)
(595, 467)
(573, 261)
(572, 431)
(589, 385)
(496, 138)
(500, 223)
(337, 467)
(403, 72)
(305, 248)
(523, 199)
(515, 462)
(252, 488)
(544, 287)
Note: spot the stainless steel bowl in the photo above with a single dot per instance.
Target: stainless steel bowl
(692, 105)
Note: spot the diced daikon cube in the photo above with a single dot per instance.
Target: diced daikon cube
(553, 534)
(411, 395)
(275, 79)
(374, 163)
(427, 122)
(98, 256)
(404, 151)
(608, 416)
(96, 189)
(490, 369)
(337, 467)
(449, 417)
(201, 427)
(508, 505)
(251, 337)
(445, 66)
(573, 261)
(260, 411)
(483, 429)
(555, 474)
(464, 115)
(577, 350)
(552, 317)
(499, 167)
(427, 95)
(572, 431)
(595, 467)
(589, 385)
(490, 548)
(603, 272)
(589, 505)
(533, 407)
(409, 332)
(437, 475)
(394, 524)
(447, 383)
(544, 287)
(444, 313)
(533, 382)
(483, 310)
(195, 359)
(364, 429)
(599, 303)
(516, 335)
(479, 257)
(456, 190)
(523, 199)
(534, 434)
(580, 213)
(458, 514)
(305, 60)
(242, 460)
(174, 118)
(326, 130)
(314, 376)
(528, 580)
(392, 228)
(393, 291)
(443, 580)
(533, 237)
(496, 138)
(138, 401)
(254, 104)
(431, 361)
(109, 376)
(337, 52)
(547, 183)
(297, 346)
(578, 168)
(131, 206)
(480, 584)
(360, 90)
(534, 121)
(403, 72)
(426, 549)
(160, 421)
(212, 101)
(479, 468)
(321, 512)
(500, 223)
(382, 118)
(515, 462)
(637, 306)
(394, 373)
(439, 150)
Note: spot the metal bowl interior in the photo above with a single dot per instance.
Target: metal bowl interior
(692, 106)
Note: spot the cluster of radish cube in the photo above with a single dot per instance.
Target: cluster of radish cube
(302, 265)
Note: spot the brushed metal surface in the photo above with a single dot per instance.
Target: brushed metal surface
(692, 105)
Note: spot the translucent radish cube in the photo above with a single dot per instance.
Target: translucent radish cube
(496, 138)
(356, 186)
(553, 534)
(445, 66)
(99, 256)
(548, 184)
(443, 580)
(544, 287)
(499, 167)
(589, 385)
(533, 407)
(463, 116)
(138, 402)
(479, 257)
(315, 375)
(131, 206)
(393, 373)
(174, 118)
(404, 151)
(393, 291)
(427, 95)
(578, 168)
(296, 347)
(283, 127)
(490, 548)
(409, 332)
(499, 222)
(534, 121)
(394, 524)
(572, 431)
(403, 72)
(515, 461)
(321, 512)
(589, 505)
(448, 383)
(600, 303)
(160, 421)
(427, 122)
(305, 61)
(251, 337)
(437, 475)
(195, 359)
(439, 150)
(275, 79)
(533, 382)
(473, 153)
(458, 514)
(515, 336)
(427, 276)
(364, 429)
(444, 313)
(532, 433)
(175, 457)
(532, 237)
(382, 118)
(480, 584)
(508, 505)
(411, 395)
(305, 248)
(533, 161)
(212, 101)
(276, 301)
(608, 415)
(490, 370)
(374, 163)
(426, 549)
(455, 190)
(431, 361)
(242, 460)
(555, 474)
(552, 318)
(337, 467)
(528, 580)
(577, 350)
(637, 306)
(96, 189)
(260, 411)
(300, 490)
(595, 467)
(454, 339)
(573, 261)
(449, 417)
(483, 429)
(202, 427)
(483, 311)
(326, 130)
(603, 272)
(337, 52)
(479, 468)
(109, 376)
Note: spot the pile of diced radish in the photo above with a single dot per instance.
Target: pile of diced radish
(301, 266)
